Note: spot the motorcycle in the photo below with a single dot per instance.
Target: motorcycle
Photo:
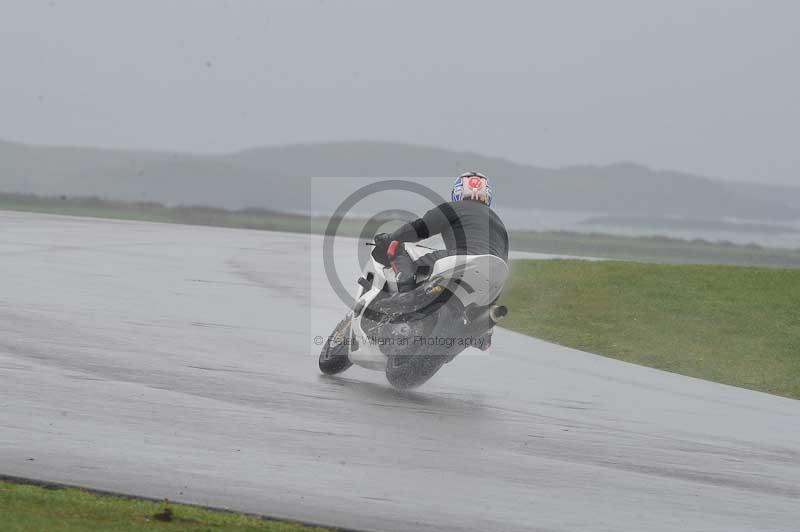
(411, 335)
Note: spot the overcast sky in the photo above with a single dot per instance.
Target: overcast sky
(708, 86)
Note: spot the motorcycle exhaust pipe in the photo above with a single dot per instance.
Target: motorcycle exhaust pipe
(498, 312)
(488, 318)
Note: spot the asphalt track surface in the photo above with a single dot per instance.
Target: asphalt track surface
(176, 361)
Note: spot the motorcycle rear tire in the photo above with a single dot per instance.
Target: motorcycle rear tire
(405, 372)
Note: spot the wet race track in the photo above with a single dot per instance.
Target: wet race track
(180, 362)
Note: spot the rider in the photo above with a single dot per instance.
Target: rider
(467, 224)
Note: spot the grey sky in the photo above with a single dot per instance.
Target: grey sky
(705, 86)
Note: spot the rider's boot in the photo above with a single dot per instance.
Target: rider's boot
(403, 265)
(484, 342)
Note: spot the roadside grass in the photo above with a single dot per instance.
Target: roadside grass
(653, 248)
(730, 324)
(28, 508)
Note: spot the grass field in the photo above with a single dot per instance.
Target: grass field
(654, 248)
(729, 324)
(30, 508)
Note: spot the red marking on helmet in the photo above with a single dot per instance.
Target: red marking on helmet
(475, 182)
(392, 248)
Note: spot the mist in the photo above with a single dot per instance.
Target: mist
(703, 87)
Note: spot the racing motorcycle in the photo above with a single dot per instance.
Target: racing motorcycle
(411, 335)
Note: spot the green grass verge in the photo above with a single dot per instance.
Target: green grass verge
(729, 324)
(654, 248)
(29, 508)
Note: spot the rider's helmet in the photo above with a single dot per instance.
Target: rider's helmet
(472, 186)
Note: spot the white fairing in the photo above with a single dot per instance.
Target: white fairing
(479, 280)
(369, 355)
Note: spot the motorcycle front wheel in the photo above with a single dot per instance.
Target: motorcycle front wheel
(333, 358)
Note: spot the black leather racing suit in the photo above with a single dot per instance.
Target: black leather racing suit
(467, 227)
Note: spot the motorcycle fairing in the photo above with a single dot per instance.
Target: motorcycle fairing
(475, 280)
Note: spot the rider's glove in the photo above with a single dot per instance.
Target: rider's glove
(382, 241)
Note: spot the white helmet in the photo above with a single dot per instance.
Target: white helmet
(472, 186)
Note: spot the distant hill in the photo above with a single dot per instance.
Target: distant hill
(780, 194)
(276, 177)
